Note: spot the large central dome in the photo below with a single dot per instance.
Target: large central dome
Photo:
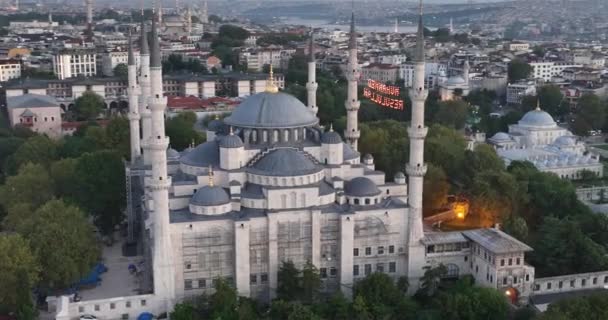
(271, 110)
(537, 118)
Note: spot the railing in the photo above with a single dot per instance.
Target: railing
(571, 282)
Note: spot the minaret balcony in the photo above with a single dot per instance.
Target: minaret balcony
(312, 86)
(419, 94)
(353, 134)
(418, 170)
(158, 143)
(352, 105)
(158, 103)
(133, 116)
(417, 133)
(158, 184)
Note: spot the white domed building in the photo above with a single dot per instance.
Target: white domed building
(450, 86)
(551, 148)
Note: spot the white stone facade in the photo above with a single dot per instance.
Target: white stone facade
(68, 64)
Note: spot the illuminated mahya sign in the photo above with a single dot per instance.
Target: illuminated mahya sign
(383, 94)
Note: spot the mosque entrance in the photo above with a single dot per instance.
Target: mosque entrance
(512, 294)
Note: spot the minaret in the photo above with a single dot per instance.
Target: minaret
(396, 25)
(205, 13)
(144, 82)
(89, 5)
(159, 182)
(416, 167)
(133, 92)
(465, 71)
(177, 6)
(352, 103)
(189, 21)
(451, 26)
(159, 12)
(311, 85)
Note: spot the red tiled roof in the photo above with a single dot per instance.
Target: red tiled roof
(78, 124)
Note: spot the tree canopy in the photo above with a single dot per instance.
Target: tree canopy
(19, 269)
(518, 70)
(88, 106)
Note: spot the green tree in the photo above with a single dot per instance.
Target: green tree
(452, 114)
(483, 158)
(288, 287)
(63, 242)
(518, 70)
(311, 283)
(180, 130)
(429, 283)
(19, 269)
(563, 248)
(301, 312)
(467, 302)
(183, 311)
(360, 309)
(516, 226)
(37, 149)
(380, 294)
(495, 195)
(118, 136)
(224, 301)
(436, 189)
(587, 307)
(337, 308)
(445, 148)
(121, 71)
(102, 184)
(32, 185)
(88, 106)
(65, 179)
(592, 110)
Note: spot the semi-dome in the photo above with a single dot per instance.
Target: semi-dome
(537, 117)
(231, 141)
(172, 154)
(565, 141)
(331, 137)
(208, 196)
(215, 125)
(361, 187)
(285, 162)
(271, 110)
(203, 155)
(501, 136)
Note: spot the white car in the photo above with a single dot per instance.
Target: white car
(88, 317)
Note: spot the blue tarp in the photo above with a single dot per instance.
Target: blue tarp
(93, 277)
(145, 316)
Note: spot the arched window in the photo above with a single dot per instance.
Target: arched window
(254, 136)
(275, 136)
(293, 199)
(286, 135)
(356, 201)
(366, 200)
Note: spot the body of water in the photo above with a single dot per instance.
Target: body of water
(320, 23)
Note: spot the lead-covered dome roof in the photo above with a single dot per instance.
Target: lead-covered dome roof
(537, 118)
(203, 155)
(271, 110)
(285, 162)
(361, 187)
(209, 196)
(231, 141)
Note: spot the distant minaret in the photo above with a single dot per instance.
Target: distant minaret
(465, 71)
(311, 85)
(352, 103)
(416, 167)
(451, 26)
(144, 82)
(177, 8)
(396, 25)
(189, 20)
(50, 17)
(133, 93)
(159, 183)
(17, 4)
(89, 5)
(205, 13)
(159, 12)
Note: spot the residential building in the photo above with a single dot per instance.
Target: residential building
(69, 63)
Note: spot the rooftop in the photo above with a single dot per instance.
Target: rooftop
(496, 241)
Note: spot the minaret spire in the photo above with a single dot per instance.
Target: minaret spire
(144, 83)
(133, 93)
(416, 168)
(159, 181)
(352, 103)
(311, 85)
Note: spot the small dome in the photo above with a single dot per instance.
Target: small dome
(368, 156)
(271, 110)
(172, 154)
(231, 141)
(537, 118)
(285, 162)
(456, 81)
(203, 155)
(215, 125)
(565, 141)
(399, 175)
(361, 187)
(209, 196)
(501, 136)
(331, 137)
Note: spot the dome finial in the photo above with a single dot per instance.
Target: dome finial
(270, 85)
(331, 127)
(192, 143)
(210, 176)
(231, 131)
(538, 104)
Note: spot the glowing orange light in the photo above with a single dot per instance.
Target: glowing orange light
(508, 292)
